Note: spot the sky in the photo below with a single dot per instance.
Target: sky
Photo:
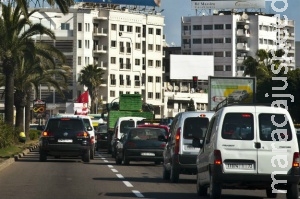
(175, 9)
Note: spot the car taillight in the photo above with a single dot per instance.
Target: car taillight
(92, 139)
(130, 145)
(177, 141)
(217, 157)
(116, 133)
(83, 134)
(47, 134)
(296, 160)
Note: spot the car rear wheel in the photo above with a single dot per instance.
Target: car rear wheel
(125, 160)
(86, 156)
(157, 162)
(118, 161)
(92, 154)
(174, 174)
(270, 194)
(43, 156)
(201, 190)
(166, 174)
(215, 189)
(292, 191)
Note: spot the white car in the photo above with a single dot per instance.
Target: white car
(238, 95)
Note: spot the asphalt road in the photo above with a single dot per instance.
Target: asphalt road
(101, 178)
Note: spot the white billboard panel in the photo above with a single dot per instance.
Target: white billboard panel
(184, 67)
(227, 4)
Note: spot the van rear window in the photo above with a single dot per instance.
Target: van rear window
(274, 127)
(195, 127)
(238, 126)
(125, 125)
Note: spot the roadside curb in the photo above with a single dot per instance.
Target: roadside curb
(11, 160)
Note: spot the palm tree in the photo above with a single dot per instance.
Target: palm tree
(15, 40)
(91, 77)
(42, 70)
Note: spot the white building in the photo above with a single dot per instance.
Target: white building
(126, 43)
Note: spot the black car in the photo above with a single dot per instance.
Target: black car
(141, 144)
(65, 136)
(102, 136)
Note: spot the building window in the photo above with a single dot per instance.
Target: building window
(208, 27)
(219, 54)
(113, 43)
(185, 28)
(219, 40)
(87, 44)
(121, 27)
(112, 94)
(87, 27)
(218, 68)
(65, 26)
(79, 26)
(228, 68)
(138, 29)
(157, 95)
(129, 28)
(228, 26)
(113, 26)
(79, 44)
(121, 79)
(207, 53)
(138, 46)
(197, 41)
(150, 95)
(150, 31)
(137, 62)
(112, 79)
(87, 60)
(136, 78)
(121, 93)
(79, 61)
(157, 79)
(158, 47)
(228, 54)
(150, 46)
(208, 41)
(150, 63)
(219, 26)
(150, 79)
(197, 53)
(197, 27)
(113, 60)
(158, 31)
(228, 40)
(157, 63)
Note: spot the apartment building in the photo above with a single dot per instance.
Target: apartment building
(126, 43)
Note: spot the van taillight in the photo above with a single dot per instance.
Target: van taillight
(82, 134)
(116, 133)
(218, 157)
(92, 139)
(177, 140)
(296, 160)
(47, 134)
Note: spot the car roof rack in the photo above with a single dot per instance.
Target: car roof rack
(226, 103)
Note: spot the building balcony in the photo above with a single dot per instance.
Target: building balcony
(100, 32)
(186, 33)
(103, 65)
(242, 46)
(186, 46)
(243, 33)
(240, 60)
(100, 49)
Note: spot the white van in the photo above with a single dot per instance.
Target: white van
(249, 147)
(179, 154)
(122, 125)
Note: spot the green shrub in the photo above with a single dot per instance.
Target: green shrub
(8, 135)
(34, 134)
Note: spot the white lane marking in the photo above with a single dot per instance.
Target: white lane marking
(119, 176)
(110, 166)
(138, 194)
(105, 160)
(114, 170)
(128, 184)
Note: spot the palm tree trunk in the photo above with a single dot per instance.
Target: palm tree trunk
(20, 117)
(8, 71)
(27, 110)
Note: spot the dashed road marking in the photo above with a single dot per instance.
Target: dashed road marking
(138, 194)
(110, 166)
(128, 184)
(114, 170)
(119, 176)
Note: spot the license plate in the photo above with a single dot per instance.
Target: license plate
(65, 140)
(147, 154)
(240, 166)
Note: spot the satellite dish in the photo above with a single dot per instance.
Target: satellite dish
(170, 87)
(245, 16)
(246, 27)
(176, 88)
(184, 88)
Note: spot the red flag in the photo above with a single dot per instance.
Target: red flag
(83, 98)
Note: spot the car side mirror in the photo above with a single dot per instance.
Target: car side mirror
(197, 143)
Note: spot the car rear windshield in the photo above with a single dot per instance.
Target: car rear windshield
(195, 127)
(126, 125)
(146, 134)
(274, 127)
(238, 126)
(65, 124)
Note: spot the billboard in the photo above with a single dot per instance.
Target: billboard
(39, 109)
(184, 67)
(124, 2)
(227, 4)
(234, 89)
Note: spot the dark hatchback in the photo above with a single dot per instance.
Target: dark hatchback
(141, 144)
(67, 137)
(102, 137)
